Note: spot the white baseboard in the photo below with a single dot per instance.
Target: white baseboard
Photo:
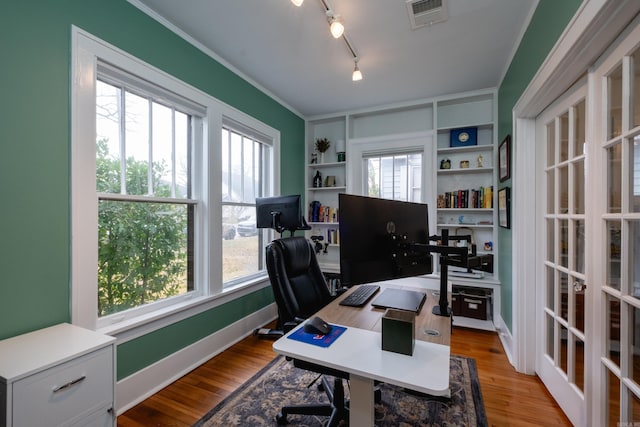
(505, 337)
(135, 388)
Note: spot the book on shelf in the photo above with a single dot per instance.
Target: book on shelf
(481, 198)
(322, 213)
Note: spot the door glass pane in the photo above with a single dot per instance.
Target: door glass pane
(578, 187)
(636, 88)
(634, 169)
(579, 128)
(578, 292)
(635, 407)
(564, 296)
(613, 254)
(614, 174)
(564, 243)
(551, 143)
(563, 348)
(578, 248)
(564, 137)
(634, 254)
(551, 293)
(563, 202)
(578, 350)
(613, 330)
(634, 350)
(615, 103)
(551, 241)
(613, 389)
(550, 335)
(551, 206)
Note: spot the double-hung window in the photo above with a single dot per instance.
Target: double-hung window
(164, 181)
(144, 185)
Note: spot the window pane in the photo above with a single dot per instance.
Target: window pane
(241, 245)
(578, 350)
(182, 156)
(551, 190)
(551, 242)
(249, 175)
(578, 193)
(564, 295)
(635, 348)
(613, 388)
(579, 246)
(236, 169)
(108, 138)
(564, 243)
(137, 144)
(563, 176)
(142, 254)
(162, 155)
(551, 293)
(613, 329)
(373, 177)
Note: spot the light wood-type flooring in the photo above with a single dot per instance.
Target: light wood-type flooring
(510, 398)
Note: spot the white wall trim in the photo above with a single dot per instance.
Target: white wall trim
(137, 387)
(505, 337)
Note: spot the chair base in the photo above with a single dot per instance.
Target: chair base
(336, 409)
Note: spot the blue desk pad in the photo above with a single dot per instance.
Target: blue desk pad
(319, 340)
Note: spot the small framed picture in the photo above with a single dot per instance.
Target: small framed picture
(504, 207)
(504, 159)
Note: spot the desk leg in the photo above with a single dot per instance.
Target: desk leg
(361, 402)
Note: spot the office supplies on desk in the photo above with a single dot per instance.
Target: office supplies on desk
(400, 299)
(360, 296)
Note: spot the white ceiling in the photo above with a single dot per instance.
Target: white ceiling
(288, 51)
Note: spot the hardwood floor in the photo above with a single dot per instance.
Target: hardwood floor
(510, 398)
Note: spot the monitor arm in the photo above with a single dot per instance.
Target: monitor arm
(275, 224)
(459, 255)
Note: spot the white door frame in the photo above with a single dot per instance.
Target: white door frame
(593, 28)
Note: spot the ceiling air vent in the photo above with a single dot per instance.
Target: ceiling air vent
(426, 12)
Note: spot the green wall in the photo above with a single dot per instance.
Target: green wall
(35, 222)
(547, 24)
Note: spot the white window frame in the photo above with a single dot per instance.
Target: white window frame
(87, 50)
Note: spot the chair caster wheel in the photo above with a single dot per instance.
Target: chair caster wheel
(281, 419)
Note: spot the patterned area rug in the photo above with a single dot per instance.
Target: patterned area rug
(258, 401)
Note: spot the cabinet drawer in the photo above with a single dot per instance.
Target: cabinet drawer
(64, 393)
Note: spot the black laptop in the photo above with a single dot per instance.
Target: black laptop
(400, 299)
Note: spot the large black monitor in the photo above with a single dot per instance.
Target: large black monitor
(280, 213)
(369, 232)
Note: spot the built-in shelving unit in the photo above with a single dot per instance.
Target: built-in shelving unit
(430, 122)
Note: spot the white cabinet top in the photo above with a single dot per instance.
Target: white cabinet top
(26, 354)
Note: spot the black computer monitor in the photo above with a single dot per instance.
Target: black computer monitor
(370, 249)
(280, 213)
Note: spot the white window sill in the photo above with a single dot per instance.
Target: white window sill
(129, 329)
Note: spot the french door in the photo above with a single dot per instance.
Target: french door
(616, 149)
(561, 259)
(588, 259)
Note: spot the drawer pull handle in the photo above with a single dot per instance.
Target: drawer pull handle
(69, 384)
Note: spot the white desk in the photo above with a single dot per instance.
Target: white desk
(358, 351)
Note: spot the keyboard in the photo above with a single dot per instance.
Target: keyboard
(360, 296)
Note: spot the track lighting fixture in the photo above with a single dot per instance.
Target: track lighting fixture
(336, 26)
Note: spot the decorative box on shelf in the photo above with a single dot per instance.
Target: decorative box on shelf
(464, 137)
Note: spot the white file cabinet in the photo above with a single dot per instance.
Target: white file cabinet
(59, 376)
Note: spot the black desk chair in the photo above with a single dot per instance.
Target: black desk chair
(300, 290)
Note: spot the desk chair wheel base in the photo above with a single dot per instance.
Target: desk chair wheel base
(336, 409)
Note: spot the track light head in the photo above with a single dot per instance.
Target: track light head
(335, 24)
(357, 74)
